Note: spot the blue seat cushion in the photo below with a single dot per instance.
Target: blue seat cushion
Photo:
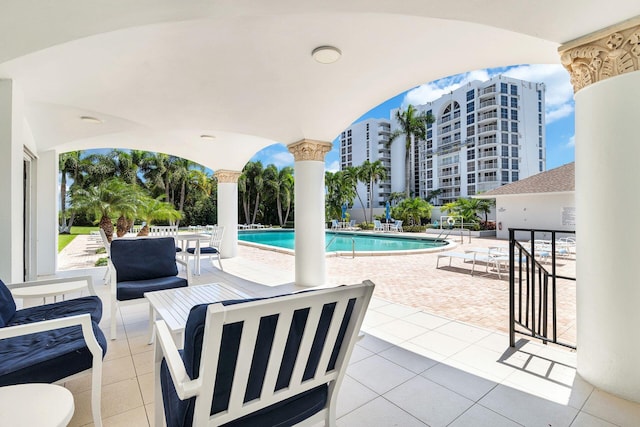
(143, 259)
(7, 305)
(89, 304)
(135, 289)
(179, 413)
(205, 250)
(46, 357)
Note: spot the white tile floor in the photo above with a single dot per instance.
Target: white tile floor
(412, 368)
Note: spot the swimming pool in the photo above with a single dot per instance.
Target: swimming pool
(344, 242)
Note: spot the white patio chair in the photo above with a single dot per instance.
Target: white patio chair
(377, 225)
(396, 226)
(212, 250)
(273, 361)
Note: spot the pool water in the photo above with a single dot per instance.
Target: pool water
(339, 242)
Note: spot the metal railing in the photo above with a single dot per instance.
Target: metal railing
(533, 286)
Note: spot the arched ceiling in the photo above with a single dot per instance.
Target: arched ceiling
(161, 73)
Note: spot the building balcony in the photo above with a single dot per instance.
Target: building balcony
(484, 155)
(487, 104)
(487, 129)
(491, 115)
(486, 141)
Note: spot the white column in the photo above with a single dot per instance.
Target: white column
(309, 215)
(228, 211)
(47, 196)
(604, 72)
(11, 182)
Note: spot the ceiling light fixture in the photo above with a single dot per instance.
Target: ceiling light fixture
(90, 119)
(207, 137)
(326, 54)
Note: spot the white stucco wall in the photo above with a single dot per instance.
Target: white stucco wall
(549, 211)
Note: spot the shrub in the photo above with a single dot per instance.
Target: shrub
(101, 262)
(101, 251)
(414, 228)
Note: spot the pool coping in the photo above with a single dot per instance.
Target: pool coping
(449, 245)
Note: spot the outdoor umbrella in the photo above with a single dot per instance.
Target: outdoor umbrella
(387, 208)
(344, 210)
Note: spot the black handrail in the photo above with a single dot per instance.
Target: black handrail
(534, 297)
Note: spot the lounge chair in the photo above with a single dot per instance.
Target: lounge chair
(396, 226)
(335, 224)
(377, 225)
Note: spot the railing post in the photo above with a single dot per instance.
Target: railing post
(512, 293)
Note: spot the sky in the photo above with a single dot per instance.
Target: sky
(559, 112)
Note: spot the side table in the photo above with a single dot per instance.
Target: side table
(43, 405)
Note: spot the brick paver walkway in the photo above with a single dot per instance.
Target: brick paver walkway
(411, 280)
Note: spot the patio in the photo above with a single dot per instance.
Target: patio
(415, 366)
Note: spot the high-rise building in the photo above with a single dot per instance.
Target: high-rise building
(368, 140)
(485, 134)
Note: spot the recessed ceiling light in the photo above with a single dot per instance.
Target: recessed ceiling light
(90, 119)
(326, 54)
(207, 137)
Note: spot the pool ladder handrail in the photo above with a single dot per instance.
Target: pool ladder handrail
(353, 246)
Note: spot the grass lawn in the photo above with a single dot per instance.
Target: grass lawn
(65, 239)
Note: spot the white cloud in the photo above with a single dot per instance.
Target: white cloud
(333, 166)
(572, 142)
(558, 90)
(558, 113)
(281, 159)
(431, 91)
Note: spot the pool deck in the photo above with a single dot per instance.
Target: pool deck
(408, 279)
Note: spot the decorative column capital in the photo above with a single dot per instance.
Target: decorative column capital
(307, 149)
(604, 54)
(228, 176)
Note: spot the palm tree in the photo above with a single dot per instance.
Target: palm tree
(413, 210)
(69, 165)
(103, 201)
(281, 183)
(351, 176)
(485, 206)
(340, 190)
(150, 209)
(395, 197)
(413, 126)
(371, 173)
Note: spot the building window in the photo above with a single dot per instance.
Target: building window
(471, 119)
(539, 107)
(514, 102)
(540, 154)
(349, 132)
(539, 130)
(430, 133)
(539, 95)
(429, 164)
(514, 126)
(429, 184)
(430, 173)
(540, 166)
(505, 138)
(539, 119)
(504, 101)
(471, 154)
(471, 131)
(514, 139)
(514, 90)
(515, 176)
(503, 88)
(504, 125)
(514, 151)
(505, 176)
(505, 163)
(505, 151)
(471, 178)
(514, 164)
(471, 106)
(504, 113)
(469, 95)
(429, 113)
(514, 114)
(540, 141)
